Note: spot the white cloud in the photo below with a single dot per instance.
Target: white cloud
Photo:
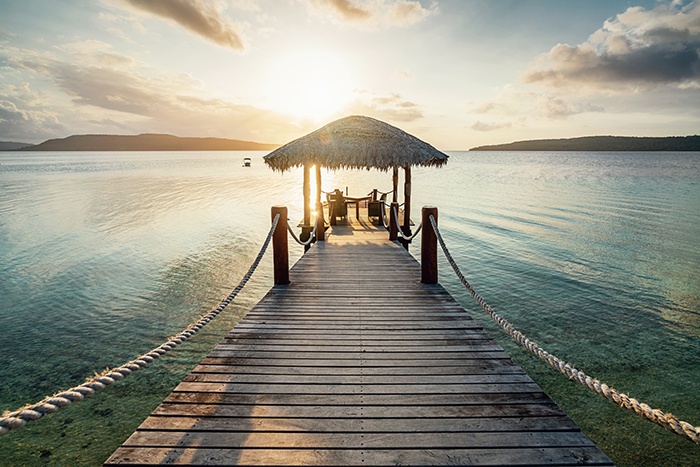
(557, 108)
(391, 107)
(484, 126)
(26, 124)
(372, 13)
(638, 48)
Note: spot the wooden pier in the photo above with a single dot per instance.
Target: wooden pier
(356, 362)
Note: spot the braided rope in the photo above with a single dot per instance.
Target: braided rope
(666, 420)
(408, 238)
(51, 404)
(312, 236)
(385, 218)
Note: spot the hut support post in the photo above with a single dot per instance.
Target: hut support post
(428, 247)
(307, 195)
(318, 184)
(280, 250)
(320, 221)
(393, 228)
(320, 224)
(407, 201)
(395, 184)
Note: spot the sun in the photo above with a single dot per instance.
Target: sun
(309, 83)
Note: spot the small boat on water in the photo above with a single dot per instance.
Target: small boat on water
(246, 162)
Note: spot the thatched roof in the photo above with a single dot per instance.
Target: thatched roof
(356, 142)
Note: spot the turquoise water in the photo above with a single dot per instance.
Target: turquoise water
(104, 255)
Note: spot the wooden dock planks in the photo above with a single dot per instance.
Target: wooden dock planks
(357, 363)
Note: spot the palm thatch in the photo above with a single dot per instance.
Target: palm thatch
(356, 142)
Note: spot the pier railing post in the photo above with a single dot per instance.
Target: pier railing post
(331, 212)
(428, 252)
(280, 249)
(393, 227)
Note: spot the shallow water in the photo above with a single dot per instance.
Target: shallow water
(104, 255)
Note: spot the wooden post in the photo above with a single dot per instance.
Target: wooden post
(318, 184)
(395, 184)
(428, 247)
(307, 196)
(393, 228)
(407, 201)
(280, 251)
(331, 212)
(320, 224)
(320, 221)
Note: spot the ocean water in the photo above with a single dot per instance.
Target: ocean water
(103, 256)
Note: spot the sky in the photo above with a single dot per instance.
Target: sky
(455, 73)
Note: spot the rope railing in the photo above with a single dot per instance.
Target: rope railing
(51, 404)
(400, 233)
(666, 420)
(311, 238)
(382, 193)
(385, 218)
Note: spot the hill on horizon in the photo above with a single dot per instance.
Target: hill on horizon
(145, 142)
(601, 143)
(12, 145)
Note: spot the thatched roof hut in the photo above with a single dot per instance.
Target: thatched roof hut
(356, 142)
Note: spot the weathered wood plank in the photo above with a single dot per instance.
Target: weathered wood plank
(393, 380)
(345, 388)
(414, 356)
(355, 341)
(358, 457)
(311, 440)
(475, 346)
(464, 360)
(357, 425)
(367, 400)
(361, 411)
(480, 368)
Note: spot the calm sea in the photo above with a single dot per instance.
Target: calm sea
(595, 256)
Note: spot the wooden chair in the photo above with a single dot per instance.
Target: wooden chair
(337, 200)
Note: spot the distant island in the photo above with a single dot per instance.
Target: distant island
(12, 146)
(143, 142)
(601, 143)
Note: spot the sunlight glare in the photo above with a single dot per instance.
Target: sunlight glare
(309, 83)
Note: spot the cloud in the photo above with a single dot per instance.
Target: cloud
(512, 101)
(557, 108)
(373, 14)
(406, 13)
(5, 34)
(509, 100)
(483, 126)
(344, 9)
(197, 16)
(391, 107)
(26, 124)
(638, 48)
